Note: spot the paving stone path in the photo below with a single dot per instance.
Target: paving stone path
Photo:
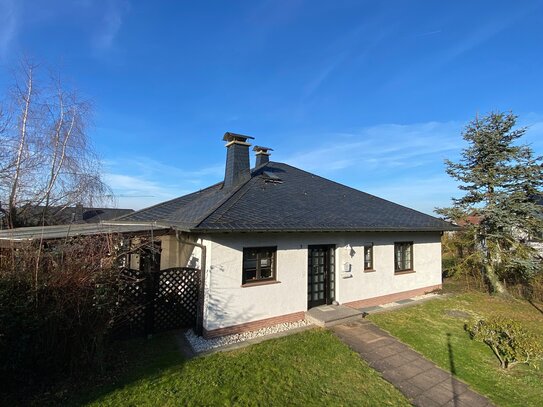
(425, 384)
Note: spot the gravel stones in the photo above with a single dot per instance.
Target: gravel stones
(199, 344)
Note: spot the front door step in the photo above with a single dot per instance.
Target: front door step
(330, 315)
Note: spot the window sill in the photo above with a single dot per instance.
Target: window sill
(369, 270)
(404, 272)
(257, 283)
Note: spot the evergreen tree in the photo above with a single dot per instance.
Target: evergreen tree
(501, 180)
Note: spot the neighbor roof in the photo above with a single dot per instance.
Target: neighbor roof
(72, 214)
(292, 201)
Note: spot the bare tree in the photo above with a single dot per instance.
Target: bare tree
(3, 158)
(47, 160)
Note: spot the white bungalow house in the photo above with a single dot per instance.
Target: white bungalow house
(275, 241)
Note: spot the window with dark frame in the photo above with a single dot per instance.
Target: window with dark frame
(368, 257)
(258, 264)
(403, 256)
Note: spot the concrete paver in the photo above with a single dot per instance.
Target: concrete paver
(330, 315)
(425, 384)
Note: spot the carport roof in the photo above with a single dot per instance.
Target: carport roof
(66, 231)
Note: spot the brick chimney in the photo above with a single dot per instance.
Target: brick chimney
(238, 169)
(262, 155)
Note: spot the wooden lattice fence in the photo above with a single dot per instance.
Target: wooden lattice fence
(156, 301)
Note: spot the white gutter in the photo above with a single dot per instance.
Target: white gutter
(121, 223)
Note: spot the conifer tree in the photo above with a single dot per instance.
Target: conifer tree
(502, 180)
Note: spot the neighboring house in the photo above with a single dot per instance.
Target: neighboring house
(79, 214)
(275, 241)
(533, 240)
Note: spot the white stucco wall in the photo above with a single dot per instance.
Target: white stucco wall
(172, 253)
(178, 254)
(228, 303)
(383, 281)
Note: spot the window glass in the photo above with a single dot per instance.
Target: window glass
(403, 256)
(368, 257)
(258, 264)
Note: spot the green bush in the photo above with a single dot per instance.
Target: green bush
(509, 341)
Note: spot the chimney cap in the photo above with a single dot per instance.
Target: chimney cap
(259, 149)
(235, 137)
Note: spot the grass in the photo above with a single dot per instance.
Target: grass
(434, 331)
(309, 368)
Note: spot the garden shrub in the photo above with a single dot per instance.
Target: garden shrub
(510, 342)
(57, 304)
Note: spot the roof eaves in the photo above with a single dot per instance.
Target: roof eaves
(324, 230)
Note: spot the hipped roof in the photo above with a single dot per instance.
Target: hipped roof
(281, 198)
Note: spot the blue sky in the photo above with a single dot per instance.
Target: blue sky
(370, 94)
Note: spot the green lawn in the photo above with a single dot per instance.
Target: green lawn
(309, 368)
(432, 330)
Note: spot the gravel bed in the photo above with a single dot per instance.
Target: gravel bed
(199, 344)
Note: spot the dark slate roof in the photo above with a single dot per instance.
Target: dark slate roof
(292, 200)
(184, 212)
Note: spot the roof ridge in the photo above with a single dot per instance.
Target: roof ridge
(232, 203)
(234, 191)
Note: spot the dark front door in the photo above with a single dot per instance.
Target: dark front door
(320, 275)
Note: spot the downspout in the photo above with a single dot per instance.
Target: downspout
(201, 290)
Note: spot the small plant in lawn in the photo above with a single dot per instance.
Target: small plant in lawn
(509, 341)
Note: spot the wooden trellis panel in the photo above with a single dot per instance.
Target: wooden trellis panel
(151, 302)
(176, 299)
(132, 304)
